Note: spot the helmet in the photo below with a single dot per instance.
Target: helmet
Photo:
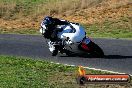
(47, 21)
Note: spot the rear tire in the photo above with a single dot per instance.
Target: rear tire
(54, 53)
(97, 51)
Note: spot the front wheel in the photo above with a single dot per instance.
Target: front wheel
(69, 53)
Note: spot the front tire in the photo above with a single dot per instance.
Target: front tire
(69, 53)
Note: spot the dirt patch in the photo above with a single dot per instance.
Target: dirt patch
(100, 14)
(107, 10)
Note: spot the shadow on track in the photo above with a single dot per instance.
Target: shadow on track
(81, 56)
(116, 57)
(105, 57)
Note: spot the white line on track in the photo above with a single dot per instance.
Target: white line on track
(94, 69)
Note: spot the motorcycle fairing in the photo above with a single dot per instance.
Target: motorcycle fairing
(74, 36)
(86, 41)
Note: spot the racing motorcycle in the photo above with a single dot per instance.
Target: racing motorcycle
(71, 41)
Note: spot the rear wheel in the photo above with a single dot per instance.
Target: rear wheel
(97, 51)
(93, 49)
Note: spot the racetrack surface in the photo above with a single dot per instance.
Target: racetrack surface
(118, 52)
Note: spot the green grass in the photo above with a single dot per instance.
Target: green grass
(121, 28)
(21, 72)
(18, 72)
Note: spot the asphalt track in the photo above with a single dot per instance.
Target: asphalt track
(118, 52)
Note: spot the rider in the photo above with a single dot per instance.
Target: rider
(51, 27)
(50, 31)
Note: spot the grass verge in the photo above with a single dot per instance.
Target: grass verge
(19, 31)
(121, 28)
(21, 72)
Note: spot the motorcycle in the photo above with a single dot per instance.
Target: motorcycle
(73, 41)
